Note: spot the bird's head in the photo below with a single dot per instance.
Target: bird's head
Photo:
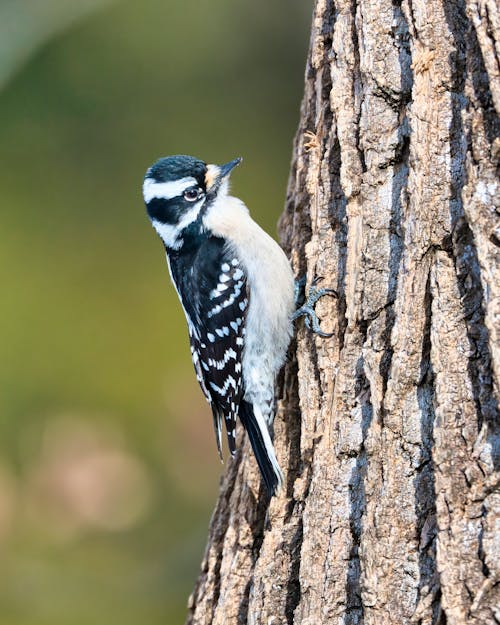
(178, 190)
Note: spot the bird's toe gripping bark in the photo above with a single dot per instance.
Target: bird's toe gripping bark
(306, 305)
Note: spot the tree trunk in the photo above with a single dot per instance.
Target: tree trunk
(388, 432)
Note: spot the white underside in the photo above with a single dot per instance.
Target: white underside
(271, 287)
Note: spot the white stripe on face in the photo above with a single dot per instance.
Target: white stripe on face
(166, 190)
(170, 234)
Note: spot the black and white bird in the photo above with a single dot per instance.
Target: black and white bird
(237, 289)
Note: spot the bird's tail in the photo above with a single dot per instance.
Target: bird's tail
(255, 425)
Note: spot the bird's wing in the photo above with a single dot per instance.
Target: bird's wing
(216, 302)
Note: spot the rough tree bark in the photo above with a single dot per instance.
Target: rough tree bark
(388, 432)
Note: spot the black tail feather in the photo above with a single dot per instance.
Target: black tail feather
(270, 471)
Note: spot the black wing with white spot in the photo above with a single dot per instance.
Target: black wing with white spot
(213, 290)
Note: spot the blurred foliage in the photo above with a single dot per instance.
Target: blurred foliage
(108, 466)
(26, 24)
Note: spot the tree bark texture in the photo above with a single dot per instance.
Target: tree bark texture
(389, 431)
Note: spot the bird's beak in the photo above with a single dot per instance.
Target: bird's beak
(217, 173)
(225, 170)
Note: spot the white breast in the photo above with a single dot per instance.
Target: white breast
(271, 286)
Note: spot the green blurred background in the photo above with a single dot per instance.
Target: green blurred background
(108, 465)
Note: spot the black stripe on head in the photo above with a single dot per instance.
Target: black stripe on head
(179, 166)
(166, 211)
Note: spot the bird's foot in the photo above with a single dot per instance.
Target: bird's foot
(306, 305)
(300, 291)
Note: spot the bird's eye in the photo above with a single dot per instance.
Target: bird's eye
(192, 194)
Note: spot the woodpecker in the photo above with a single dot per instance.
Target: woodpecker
(237, 291)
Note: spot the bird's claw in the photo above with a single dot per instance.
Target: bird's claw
(307, 308)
